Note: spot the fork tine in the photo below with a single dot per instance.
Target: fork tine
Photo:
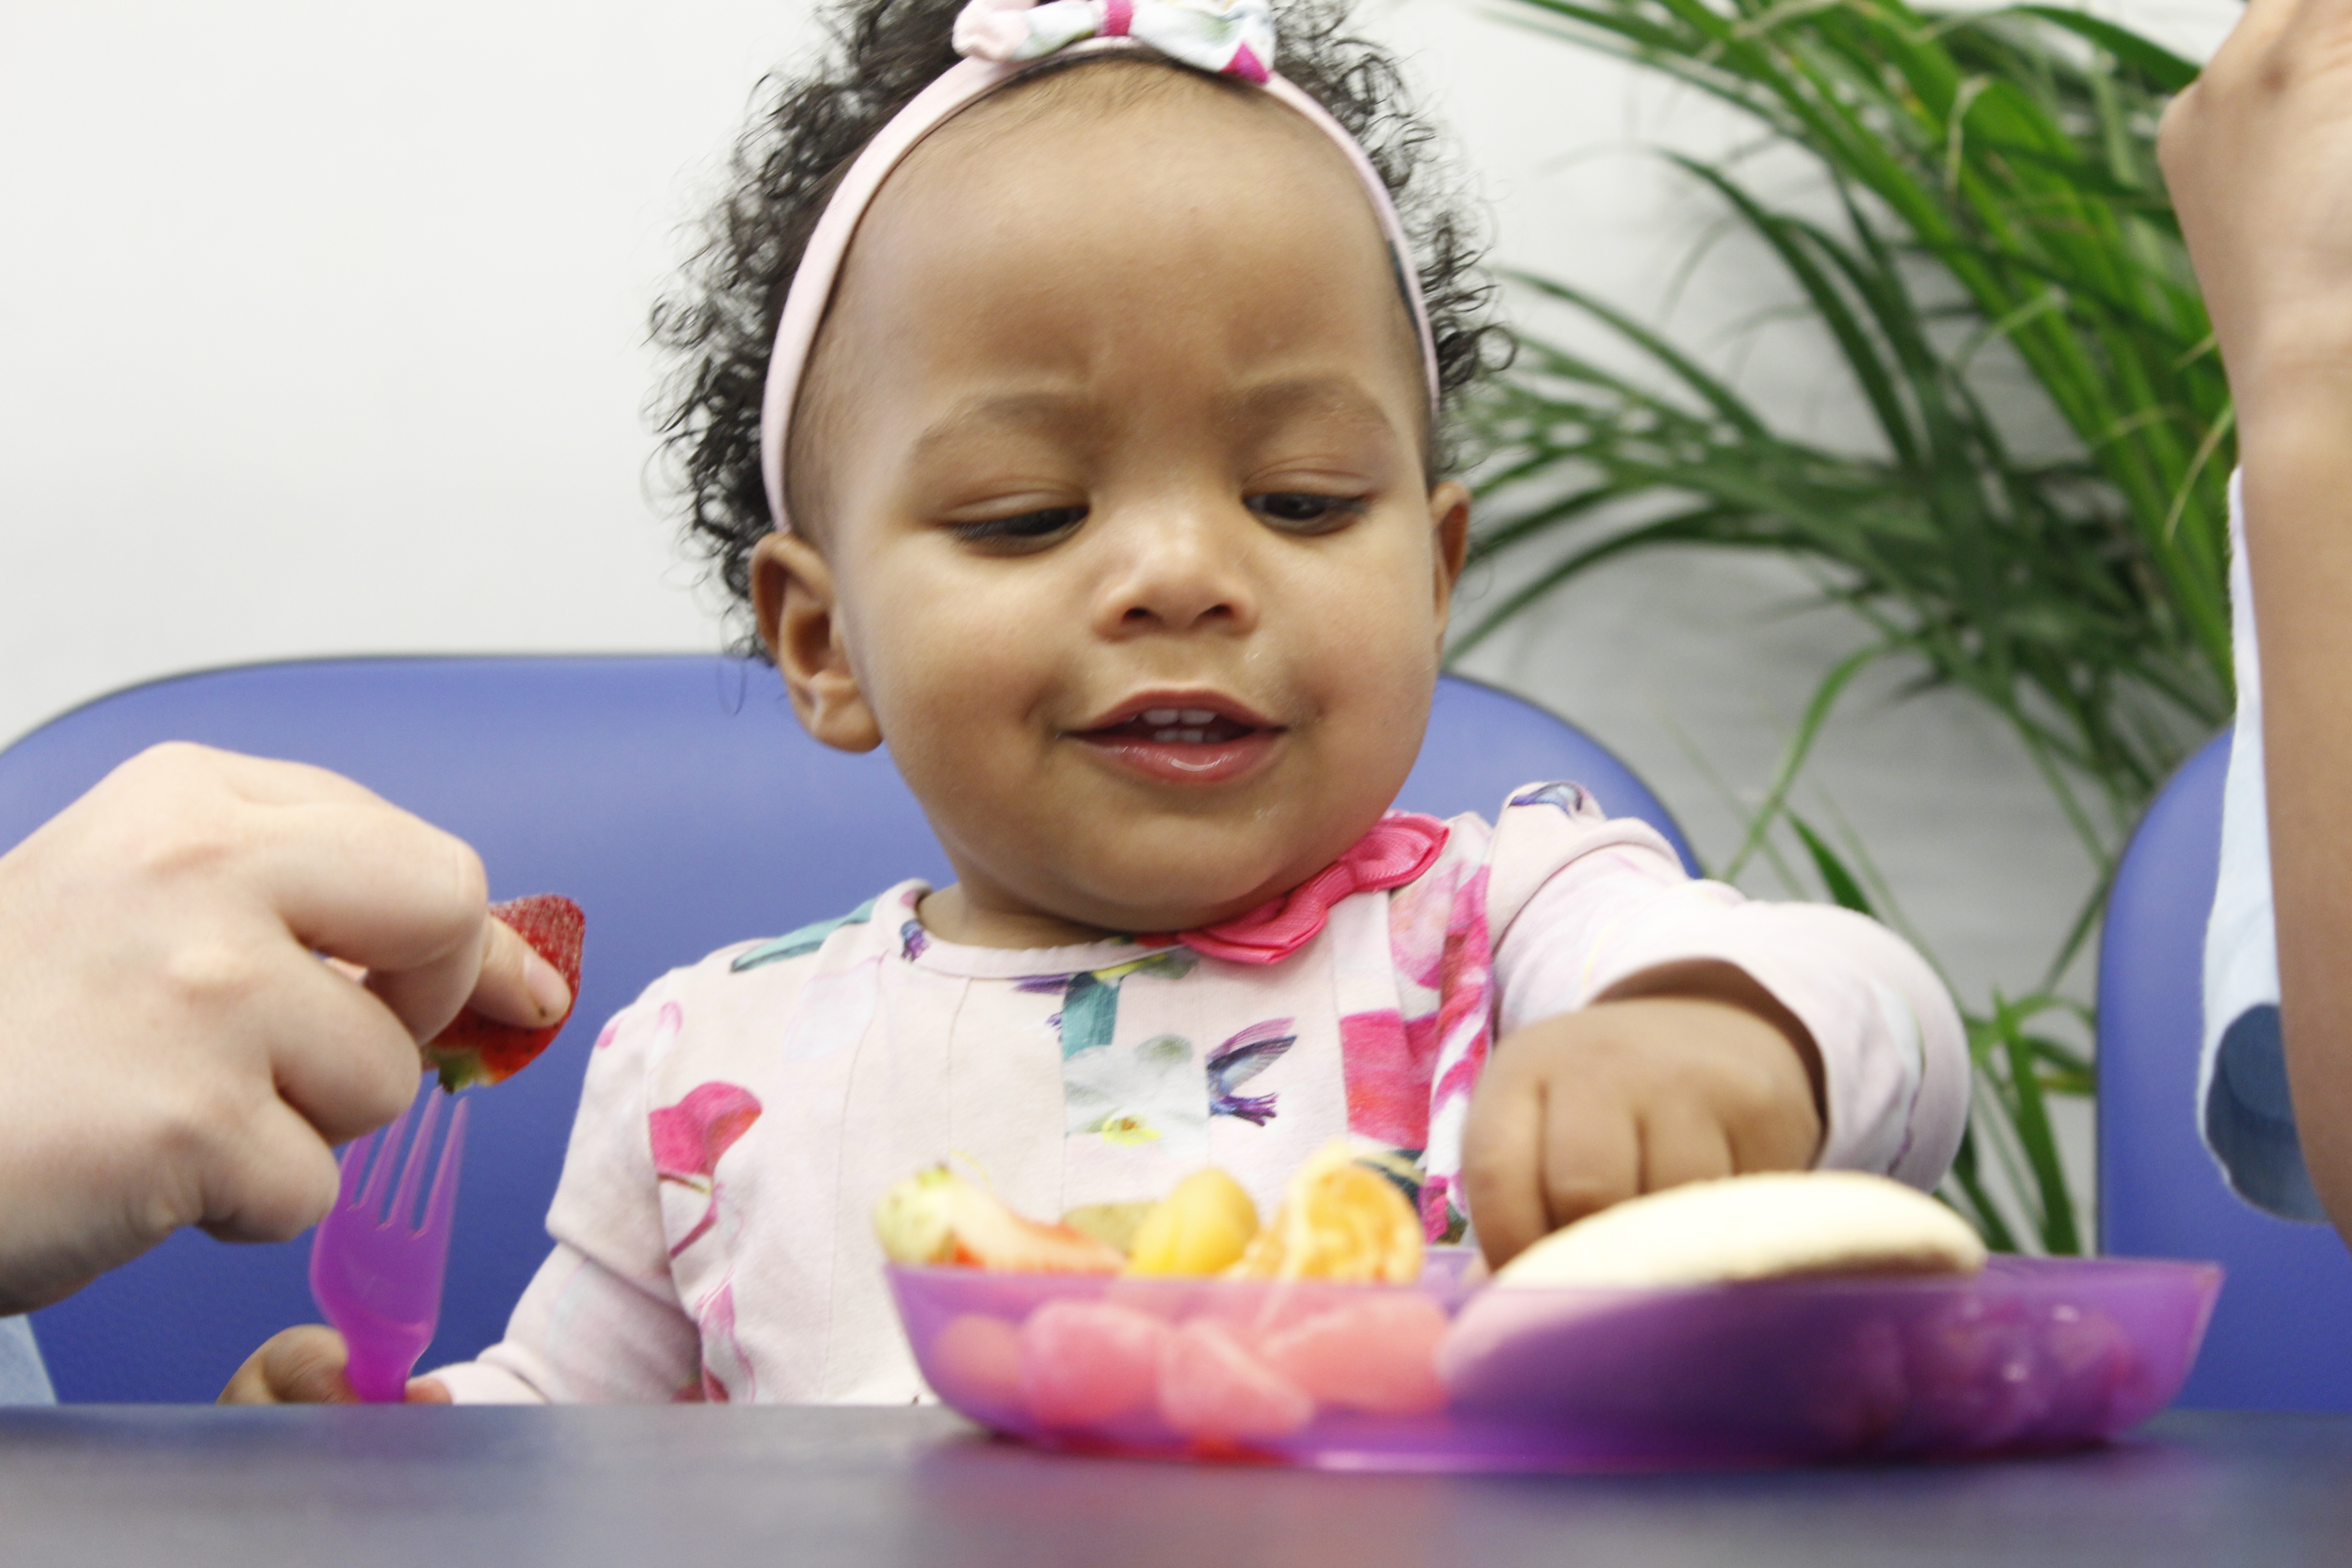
(443, 1200)
(353, 1165)
(412, 1169)
(388, 1144)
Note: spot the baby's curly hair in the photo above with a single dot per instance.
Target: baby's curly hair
(720, 322)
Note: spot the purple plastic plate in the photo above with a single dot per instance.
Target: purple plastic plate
(2032, 1354)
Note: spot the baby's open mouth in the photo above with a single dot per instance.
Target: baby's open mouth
(1175, 727)
(1180, 743)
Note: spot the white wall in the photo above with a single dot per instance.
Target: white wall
(323, 325)
(323, 322)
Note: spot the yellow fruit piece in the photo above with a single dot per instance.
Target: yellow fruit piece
(1113, 1225)
(915, 1221)
(1341, 1220)
(935, 1217)
(1200, 1228)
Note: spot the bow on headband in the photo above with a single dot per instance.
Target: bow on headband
(1234, 37)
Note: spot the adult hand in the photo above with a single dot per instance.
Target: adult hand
(2257, 156)
(173, 1051)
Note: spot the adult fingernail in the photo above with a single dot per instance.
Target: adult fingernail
(547, 992)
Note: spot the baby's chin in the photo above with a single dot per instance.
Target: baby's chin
(1186, 896)
(1137, 873)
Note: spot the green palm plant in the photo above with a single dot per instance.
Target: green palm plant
(1994, 181)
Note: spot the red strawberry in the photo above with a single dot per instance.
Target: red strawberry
(473, 1049)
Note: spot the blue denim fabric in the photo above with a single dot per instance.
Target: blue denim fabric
(22, 1379)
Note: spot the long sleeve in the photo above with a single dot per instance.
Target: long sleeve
(1579, 902)
(2243, 1107)
(601, 1321)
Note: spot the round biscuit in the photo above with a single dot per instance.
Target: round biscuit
(1762, 1226)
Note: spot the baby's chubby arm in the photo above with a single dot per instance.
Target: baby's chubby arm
(1682, 1073)
(1652, 1029)
(2258, 155)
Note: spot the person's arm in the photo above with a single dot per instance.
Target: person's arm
(1651, 1030)
(173, 1051)
(2259, 158)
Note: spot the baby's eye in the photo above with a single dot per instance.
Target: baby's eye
(1303, 512)
(1022, 528)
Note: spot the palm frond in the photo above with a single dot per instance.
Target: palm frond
(1995, 183)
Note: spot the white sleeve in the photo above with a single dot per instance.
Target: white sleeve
(601, 1320)
(2242, 1108)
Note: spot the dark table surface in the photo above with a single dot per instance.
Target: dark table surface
(651, 1487)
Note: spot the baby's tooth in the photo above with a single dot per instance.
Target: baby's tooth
(1199, 716)
(1193, 737)
(1161, 717)
(1167, 737)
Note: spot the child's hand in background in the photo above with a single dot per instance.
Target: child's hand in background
(2258, 155)
(305, 1366)
(1678, 1075)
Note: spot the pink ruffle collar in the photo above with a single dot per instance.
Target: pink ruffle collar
(1400, 847)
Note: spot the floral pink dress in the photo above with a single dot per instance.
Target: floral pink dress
(712, 1238)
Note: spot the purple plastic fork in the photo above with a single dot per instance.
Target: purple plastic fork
(377, 1279)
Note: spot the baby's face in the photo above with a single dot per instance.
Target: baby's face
(1124, 541)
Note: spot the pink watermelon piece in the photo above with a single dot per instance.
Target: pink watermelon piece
(1083, 1363)
(975, 1365)
(1378, 1355)
(1974, 1379)
(1214, 1391)
(1856, 1394)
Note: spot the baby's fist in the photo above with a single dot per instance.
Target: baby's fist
(305, 1366)
(1631, 1095)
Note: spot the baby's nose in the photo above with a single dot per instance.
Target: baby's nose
(1179, 573)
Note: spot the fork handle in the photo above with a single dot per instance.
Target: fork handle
(378, 1373)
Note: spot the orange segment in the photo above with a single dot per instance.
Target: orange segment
(1341, 1220)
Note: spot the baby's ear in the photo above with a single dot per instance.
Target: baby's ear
(1449, 515)
(793, 593)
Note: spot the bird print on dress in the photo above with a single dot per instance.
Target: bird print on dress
(1139, 1095)
(1089, 1015)
(1569, 797)
(1242, 1058)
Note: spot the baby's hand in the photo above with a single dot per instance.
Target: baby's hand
(305, 1366)
(2257, 156)
(1633, 1094)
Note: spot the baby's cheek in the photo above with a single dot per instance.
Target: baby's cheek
(938, 666)
(1378, 659)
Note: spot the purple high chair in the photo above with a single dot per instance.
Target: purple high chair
(676, 798)
(2282, 1333)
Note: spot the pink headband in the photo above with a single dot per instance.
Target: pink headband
(999, 39)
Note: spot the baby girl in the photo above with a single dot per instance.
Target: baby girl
(1072, 417)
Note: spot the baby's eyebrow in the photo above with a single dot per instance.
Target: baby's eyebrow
(1330, 396)
(1333, 395)
(1056, 410)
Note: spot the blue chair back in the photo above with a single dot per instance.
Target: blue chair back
(677, 799)
(2282, 1332)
